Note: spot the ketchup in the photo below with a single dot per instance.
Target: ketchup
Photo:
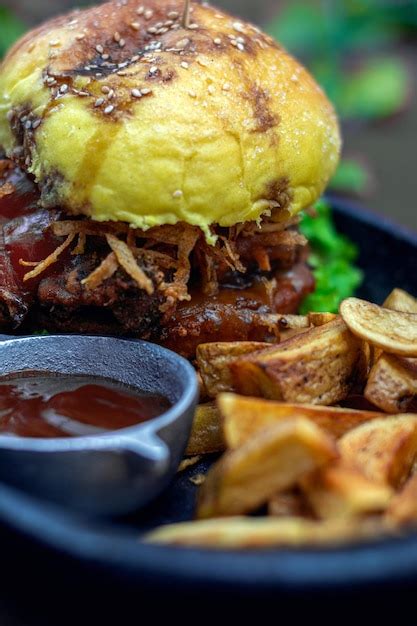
(63, 406)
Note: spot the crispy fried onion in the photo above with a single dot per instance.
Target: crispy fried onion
(186, 241)
(80, 247)
(213, 257)
(127, 255)
(50, 260)
(126, 260)
(105, 270)
(6, 190)
(268, 225)
(165, 252)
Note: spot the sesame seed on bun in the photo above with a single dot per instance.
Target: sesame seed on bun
(123, 112)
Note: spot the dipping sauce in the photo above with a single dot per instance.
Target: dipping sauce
(45, 406)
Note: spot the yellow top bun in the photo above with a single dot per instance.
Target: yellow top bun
(121, 113)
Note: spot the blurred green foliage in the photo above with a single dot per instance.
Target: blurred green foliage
(10, 29)
(351, 177)
(379, 89)
(340, 41)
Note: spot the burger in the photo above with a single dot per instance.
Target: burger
(154, 160)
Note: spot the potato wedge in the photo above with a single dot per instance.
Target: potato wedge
(320, 366)
(273, 460)
(392, 383)
(392, 331)
(242, 417)
(206, 434)
(400, 300)
(383, 450)
(289, 504)
(252, 532)
(319, 319)
(292, 332)
(403, 507)
(287, 321)
(213, 360)
(342, 492)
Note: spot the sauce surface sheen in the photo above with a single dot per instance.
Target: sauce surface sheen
(63, 406)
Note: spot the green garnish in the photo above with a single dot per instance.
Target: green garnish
(332, 260)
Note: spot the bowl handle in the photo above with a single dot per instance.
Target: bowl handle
(113, 475)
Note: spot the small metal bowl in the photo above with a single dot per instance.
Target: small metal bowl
(112, 473)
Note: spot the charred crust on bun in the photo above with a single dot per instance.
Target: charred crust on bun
(159, 167)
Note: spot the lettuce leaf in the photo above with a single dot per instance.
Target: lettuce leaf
(332, 259)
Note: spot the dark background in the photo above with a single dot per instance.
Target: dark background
(387, 147)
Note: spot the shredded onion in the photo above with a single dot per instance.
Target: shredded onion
(126, 259)
(80, 247)
(175, 244)
(6, 190)
(105, 270)
(52, 258)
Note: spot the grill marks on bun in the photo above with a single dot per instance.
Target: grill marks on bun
(126, 48)
(165, 124)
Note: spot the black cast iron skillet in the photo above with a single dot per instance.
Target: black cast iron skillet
(114, 551)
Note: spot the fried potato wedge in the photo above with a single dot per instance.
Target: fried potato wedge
(213, 360)
(252, 532)
(206, 434)
(242, 417)
(320, 366)
(403, 507)
(273, 460)
(287, 321)
(392, 331)
(319, 319)
(400, 300)
(289, 326)
(383, 450)
(341, 492)
(289, 504)
(392, 383)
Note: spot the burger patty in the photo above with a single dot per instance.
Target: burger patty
(237, 314)
(233, 314)
(118, 307)
(191, 292)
